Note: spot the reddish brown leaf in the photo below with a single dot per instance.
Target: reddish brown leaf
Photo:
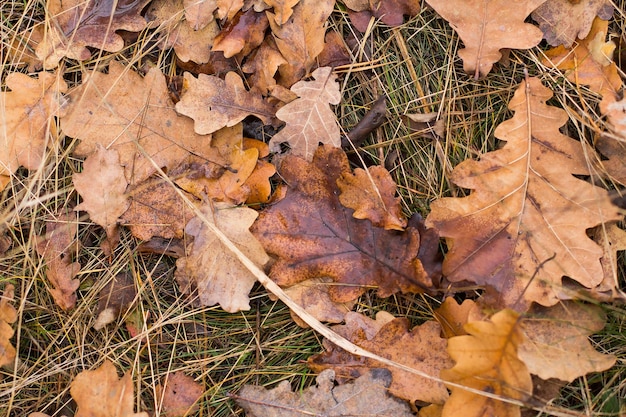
(241, 35)
(389, 337)
(8, 316)
(486, 27)
(372, 195)
(180, 396)
(56, 249)
(390, 12)
(313, 235)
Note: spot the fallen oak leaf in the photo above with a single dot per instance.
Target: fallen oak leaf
(309, 118)
(390, 12)
(8, 316)
(283, 9)
(210, 267)
(313, 235)
(115, 299)
(613, 240)
(179, 395)
(242, 34)
(367, 397)
(486, 27)
(227, 9)
(199, 13)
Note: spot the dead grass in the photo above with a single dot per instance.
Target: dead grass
(416, 67)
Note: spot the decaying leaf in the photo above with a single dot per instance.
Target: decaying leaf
(556, 343)
(26, 120)
(180, 396)
(313, 235)
(8, 316)
(242, 34)
(367, 396)
(310, 120)
(215, 103)
(55, 247)
(73, 25)
(372, 195)
(421, 348)
(562, 21)
(301, 39)
(211, 267)
(115, 299)
(487, 360)
(486, 27)
(135, 116)
(100, 393)
(523, 228)
(102, 186)
(390, 12)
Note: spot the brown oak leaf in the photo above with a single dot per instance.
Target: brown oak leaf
(367, 396)
(199, 13)
(8, 316)
(390, 12)
(227, 9)
(486, 27)
(309, 119)
(452, 316)
(102, 186)
(135, 116)
(371, 194)
(562, 21)
(211, 267)
(420, 348)
(74, 25)
(283, 9)
(487, 360)
(115, 298)
(27, 111)
(215, 103)
(616, 115)
(241, 35)
(301, 39)
(262, 65)
(180, 395)
(557, 343)
(523, 227)
(100, 393)
(613, 240)
(313, 235)
(55, 247)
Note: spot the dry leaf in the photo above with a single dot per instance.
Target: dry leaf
(612, 239)
(452, 316)
(301, 39)
(365, 397)
(262, 65)
(115, 298)
(241, 35)
(282, 10)
(562, 21)
(616, 115)
(486, 27)
(556, 343)
(487, 360)
(74, 25)
(100, 393)
(180, 396)
(309, 119)
(421, 348)
(56, 249)
(135, 116)
(26, 120)
(390, 12)
(102, 186)
(313, 235)
(227, 9)
(21, 46)
(215, 103)
(211, 267)
(371, 194)
(524, 225)
(8, 316)
(199, 13)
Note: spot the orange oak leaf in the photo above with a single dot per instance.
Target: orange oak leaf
(199, 13)
(74, 25)
(371, 194)
(157, 209)
(452, 316)
(262, 65)
(486, 27)
(100, 393)
(421, 348)
(390, 12)
(301, 39)
(562, 21)
(102, 186)
(175, 32)
(8, 316)
(27, 120)
(557, 343)
(241, 35)
(135, 116)
(180, 395)
(487, 360)
(283, 9)
(523, 227)
(215, 103)
(55, 247)
(309, 118)
(313, 235)
(213, 269)
(366, 396)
